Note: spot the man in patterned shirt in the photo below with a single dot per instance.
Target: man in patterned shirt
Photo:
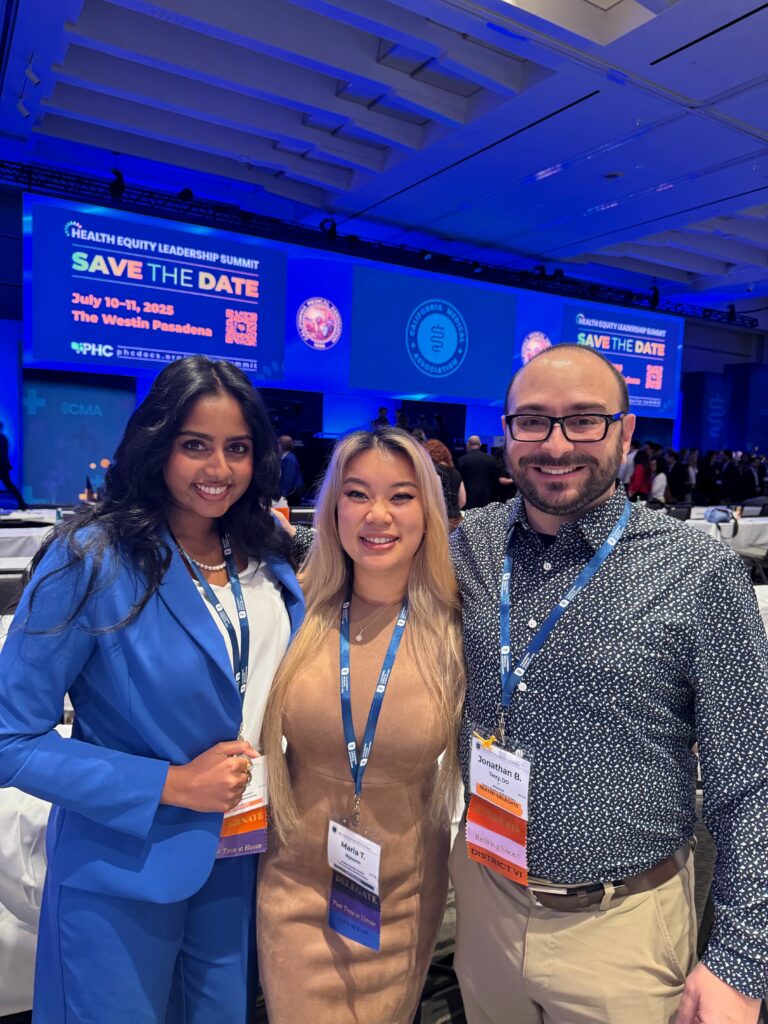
(662, 646)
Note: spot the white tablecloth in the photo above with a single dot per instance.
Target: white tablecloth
(17, 541)
(14, 565)
(761, 593)
(751, 533)
(31, 517)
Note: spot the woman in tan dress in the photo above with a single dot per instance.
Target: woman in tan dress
(381, 536)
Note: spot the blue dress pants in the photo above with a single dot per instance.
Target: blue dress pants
(109, 960)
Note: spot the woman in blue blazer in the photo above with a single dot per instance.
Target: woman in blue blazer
(163, 611)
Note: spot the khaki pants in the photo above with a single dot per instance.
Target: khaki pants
(522, 964)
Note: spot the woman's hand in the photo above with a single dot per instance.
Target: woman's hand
(213, 781)
(284, 524)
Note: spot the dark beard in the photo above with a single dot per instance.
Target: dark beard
(598, 483)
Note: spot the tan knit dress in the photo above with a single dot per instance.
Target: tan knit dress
(311, 975)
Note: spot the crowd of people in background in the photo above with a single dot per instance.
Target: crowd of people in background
(473, 477)
(651, 472)
(654, 473)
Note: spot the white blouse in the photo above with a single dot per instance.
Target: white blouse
(270, 632)
(658, 487)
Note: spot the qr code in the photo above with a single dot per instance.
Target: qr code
(241, 328)
(653, 377)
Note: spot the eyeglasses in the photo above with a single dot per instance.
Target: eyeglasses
(584, 427)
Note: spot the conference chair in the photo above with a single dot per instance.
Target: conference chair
(754, 508)
(682, 512)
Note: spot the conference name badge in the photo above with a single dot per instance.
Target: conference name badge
(354, 905)
(244, 829)
(497, 818)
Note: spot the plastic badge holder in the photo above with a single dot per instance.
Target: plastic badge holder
(354, 901)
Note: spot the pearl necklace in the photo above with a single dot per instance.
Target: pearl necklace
(210, 568)
(202, 565)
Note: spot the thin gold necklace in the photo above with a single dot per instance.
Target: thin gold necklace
(366, 622)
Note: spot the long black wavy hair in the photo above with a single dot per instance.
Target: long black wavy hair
(129, 519)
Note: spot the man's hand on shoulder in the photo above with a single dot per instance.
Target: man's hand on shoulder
(708, 1000)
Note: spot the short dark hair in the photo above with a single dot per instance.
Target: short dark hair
(569, 346)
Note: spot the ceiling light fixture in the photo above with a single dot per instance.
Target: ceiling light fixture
(328, 227)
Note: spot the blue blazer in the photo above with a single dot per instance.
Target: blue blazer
(155, 693)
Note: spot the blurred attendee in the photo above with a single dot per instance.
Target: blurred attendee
(730, 478)
(749, 483)
(659, 480)
(506, 484)
(291, 480)
(440, 430)
(5, 471)
(639, 486)
(401, 420)
(707, 489)
(678, 478)
(423, 424)
(382, 420)
(453, 486)
(628, 465)
(480, 474)
(692, 465)
(761, 469)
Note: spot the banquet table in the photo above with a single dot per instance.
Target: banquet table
(18, 541)
(13, 565)
(761, 593)
(29, 517)
(751, 532)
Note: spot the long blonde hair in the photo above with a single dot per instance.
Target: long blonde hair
(433, 633)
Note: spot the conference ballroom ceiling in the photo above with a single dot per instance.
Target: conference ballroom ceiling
(619, 141)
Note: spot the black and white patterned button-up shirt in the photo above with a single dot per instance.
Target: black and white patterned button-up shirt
(664, 646)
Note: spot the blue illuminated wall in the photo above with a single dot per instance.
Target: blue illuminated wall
(363, 333)
(71, 429)
(10, 390)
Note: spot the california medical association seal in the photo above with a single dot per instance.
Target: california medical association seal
(318, 322)
(437, 338)
(534, 343)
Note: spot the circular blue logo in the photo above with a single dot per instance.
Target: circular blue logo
(437, 338)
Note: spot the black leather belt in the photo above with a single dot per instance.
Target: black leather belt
(591, 894)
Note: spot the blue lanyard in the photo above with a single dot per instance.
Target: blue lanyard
(239, 649)
(357, 765)
(512, 677)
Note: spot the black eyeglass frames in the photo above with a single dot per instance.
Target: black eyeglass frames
(584, 427)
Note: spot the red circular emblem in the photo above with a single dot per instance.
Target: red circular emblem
(318, 322)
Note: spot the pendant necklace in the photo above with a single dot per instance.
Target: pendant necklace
(369, 619)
